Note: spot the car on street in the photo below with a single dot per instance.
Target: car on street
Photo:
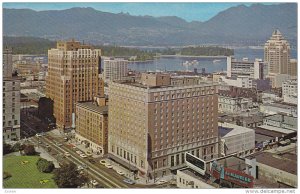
(160, 182)
(67, 154)
(92, 161)
(109, 166)
(88, 153)
(83, 156)
(120, 172)
(65, 139)
(80, 167)
(84, 166)
(94, 182)
(58, 144)
(79, 152)
(40, 142)
(103, 162)
(38, 135)
(129, 181)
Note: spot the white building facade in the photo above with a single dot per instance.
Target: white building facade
(290, 91)
(115, 69)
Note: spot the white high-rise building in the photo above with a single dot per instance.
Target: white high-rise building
(11, 100)
(277, 54)
(115, 69)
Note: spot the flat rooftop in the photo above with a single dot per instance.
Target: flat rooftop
(276, 129)
(228, 129)
(283, 160)
(94, 107)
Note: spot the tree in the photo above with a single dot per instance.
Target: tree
(29, 150)
(16, 147)
(45, 165)
(68, 177)
(6, 148)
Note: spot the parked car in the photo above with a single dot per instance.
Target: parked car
(92, 161)
(83, 155)
(88, 153)
(109, 166)
(79, 152)
(103, 162)
(84, 166)
(129, 181)
(94, 182)
(160, 182)
(67, 154)
(38, 135)
(80, 167)
(58, 144)
(120, 172)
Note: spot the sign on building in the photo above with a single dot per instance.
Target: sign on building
(195, 163)
(234, 176)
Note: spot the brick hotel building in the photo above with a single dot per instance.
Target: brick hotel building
(152, 123)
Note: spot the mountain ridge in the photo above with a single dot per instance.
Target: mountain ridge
(240, 24)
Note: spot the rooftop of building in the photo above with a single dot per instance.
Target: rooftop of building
(280, 105)
(140, 85)
(194, 174)
(268, 133)
(232, 162)
(276, 129)
(282, 158)
(229, 129)
(281, 118)
(92, 105)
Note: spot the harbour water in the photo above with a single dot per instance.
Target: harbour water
(176, 63)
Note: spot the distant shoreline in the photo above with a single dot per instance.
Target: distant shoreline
(192, 56)
(152, 60)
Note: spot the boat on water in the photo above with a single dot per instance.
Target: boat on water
(190, 63)
(216, 61)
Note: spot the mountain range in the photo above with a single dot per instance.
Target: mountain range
(251, 25)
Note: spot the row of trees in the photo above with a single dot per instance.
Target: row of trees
(200, 51)
(27, 149)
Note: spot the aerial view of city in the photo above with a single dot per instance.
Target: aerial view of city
(164, 95)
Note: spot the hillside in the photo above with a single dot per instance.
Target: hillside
(241, 24)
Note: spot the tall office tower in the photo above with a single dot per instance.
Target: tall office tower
(277, 54)
(292, 70)
(73, 75)
(115, 69)
(152, 123)
(11, 100)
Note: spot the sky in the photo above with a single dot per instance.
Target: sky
(188, 11)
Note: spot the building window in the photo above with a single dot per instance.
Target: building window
(172, 161)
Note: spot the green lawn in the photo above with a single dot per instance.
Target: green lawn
(25, 175)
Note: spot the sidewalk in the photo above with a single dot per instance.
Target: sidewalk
(82, 148)
(139, 180)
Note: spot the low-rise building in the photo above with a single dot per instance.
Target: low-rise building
(236, 105)
(187, 178)
(275, 108)
(92, 125)
(281, 121)
(278, 79)
(277, 166)
(236, 140)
